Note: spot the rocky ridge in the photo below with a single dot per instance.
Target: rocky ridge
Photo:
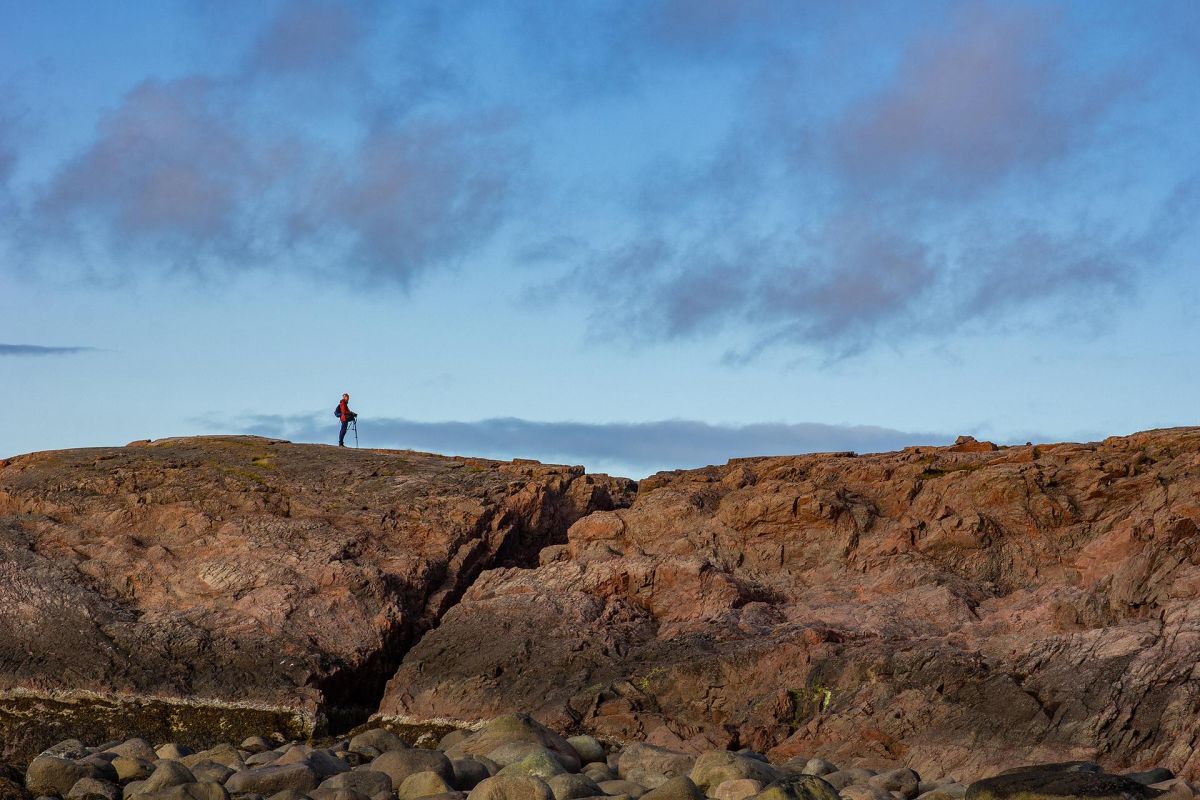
(191, 586)
(952, 610)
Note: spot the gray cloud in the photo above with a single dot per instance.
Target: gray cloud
(638, 448)
(40, 350)
(956, 193)
(309, 35)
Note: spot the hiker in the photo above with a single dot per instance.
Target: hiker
(345, 415)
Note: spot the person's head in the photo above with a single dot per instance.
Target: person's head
(345, 397)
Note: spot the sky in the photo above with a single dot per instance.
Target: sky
(634, 235)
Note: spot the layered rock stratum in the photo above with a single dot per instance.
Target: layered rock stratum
(956, 610)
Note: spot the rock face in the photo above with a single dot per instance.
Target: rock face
(957, 610)
(181, 588)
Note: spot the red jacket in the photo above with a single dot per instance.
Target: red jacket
(344, 411)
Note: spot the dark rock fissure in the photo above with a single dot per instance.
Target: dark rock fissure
(353, 694)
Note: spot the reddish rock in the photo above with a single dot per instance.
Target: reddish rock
(243, 578)
(957, 610)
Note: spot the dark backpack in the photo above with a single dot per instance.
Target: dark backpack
(337, 412)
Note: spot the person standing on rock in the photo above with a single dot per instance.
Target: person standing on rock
(345, 415)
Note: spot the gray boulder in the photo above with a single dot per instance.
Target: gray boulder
(717, 766)
(94, 789)
(378, 739)
(568, 786)
(589, 749)
(54, 776)
(633, 790)
(468, 773)
(399, 764)
(365, 781)
(271, 780)
(680, 788)
(422, 784)
(511, 787)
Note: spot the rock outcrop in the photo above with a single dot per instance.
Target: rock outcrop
(958, 610)
(954, 610)
(199, 587)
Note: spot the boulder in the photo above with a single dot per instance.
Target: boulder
(336, 794)
(366, 782)
(173, 751)
(254, 744)
(270, 780)
(818, 767)
(211, 772)
(189, 791)
(399, 764)
(511, 787)
(54, 776)
(589, 749)
(93, 789)
(568, 786)
(422, 784)
(622, 787)
(134, 748)
(378, 739)
(717, 766)
(678, 788)
(638, 760)
(167, 774)
(737, 789)
(798, 787)
(903, 780)
(468, 773)
(452, 738)
(538, 764)
(865, 791)
(516, 728)
(132, 769)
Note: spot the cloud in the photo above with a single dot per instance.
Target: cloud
(636, 448)
(40, 350)
(178, 178)
(971, 179)
(310, 35)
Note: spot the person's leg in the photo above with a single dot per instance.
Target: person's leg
(342, 434)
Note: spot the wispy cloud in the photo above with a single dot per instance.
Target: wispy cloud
(636, 448)
(41, 350)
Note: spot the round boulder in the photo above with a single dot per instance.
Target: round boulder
(468, 773)
(680, 788)
(511, 787)
(379, 739)
(538, 764)
(422, 784)
(589, 749)
(798, 787)
(364, 781)
(272, 780)
(94, 789)
(570, 786)
(737, 789)
(516, 728)
(52, 775)
(717, 766)
(399, 764)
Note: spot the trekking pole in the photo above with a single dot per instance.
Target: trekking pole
(354, 422)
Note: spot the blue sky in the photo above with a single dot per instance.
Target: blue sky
(633, 235)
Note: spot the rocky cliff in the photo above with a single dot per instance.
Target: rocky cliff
(182, 587)
(954, 609)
